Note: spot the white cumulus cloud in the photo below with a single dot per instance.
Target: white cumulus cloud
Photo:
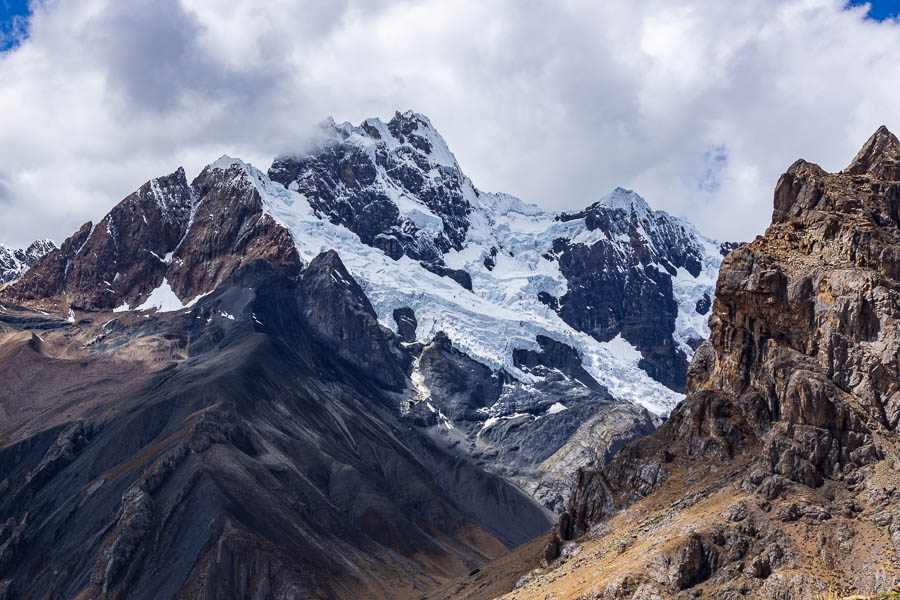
(698, 105)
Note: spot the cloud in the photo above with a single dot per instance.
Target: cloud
(697, 105)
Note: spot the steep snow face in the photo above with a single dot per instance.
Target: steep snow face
(395, 184)
(502, 311)
(391, 199)
(15, 261)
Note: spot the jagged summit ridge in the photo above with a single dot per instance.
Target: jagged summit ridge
(626, 200)
(408, 128)
(879, 157)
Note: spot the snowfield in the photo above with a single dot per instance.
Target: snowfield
(502, 312)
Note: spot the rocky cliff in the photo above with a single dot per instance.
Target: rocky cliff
(535, 431)
(777, 476)
(166, 242)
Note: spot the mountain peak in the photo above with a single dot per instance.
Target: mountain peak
(879, 156)
(626, 200)
(412, 117)
(410, 129)
(225, 162)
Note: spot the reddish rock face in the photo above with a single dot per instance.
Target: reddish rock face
(122, 256)
(229, 229)
(800, 375)
(193, 236)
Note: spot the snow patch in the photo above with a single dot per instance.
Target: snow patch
(557, 407)
(163, 299)
(621, 349)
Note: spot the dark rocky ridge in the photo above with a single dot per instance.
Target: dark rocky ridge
(535, 434)
(193, 236)
(101, 264)
(265, 426)
(611, 292)
(794, 396)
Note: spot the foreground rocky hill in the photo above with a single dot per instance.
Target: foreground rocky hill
(778, 475)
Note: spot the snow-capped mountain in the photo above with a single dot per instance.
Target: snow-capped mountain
(15, 261)
(358, 338)
(565, 315)
(627, 287)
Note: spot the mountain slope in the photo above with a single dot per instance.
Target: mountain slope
(776, 477)
(253, 457)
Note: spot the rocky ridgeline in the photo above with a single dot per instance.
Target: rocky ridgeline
(192, 237)
(794, 400)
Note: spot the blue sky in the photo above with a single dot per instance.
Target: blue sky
(880, 9)
(12, 22)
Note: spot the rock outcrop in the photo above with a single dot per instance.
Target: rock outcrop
(789, 428)
(536, 431)
(627, 289)
(338, 311)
